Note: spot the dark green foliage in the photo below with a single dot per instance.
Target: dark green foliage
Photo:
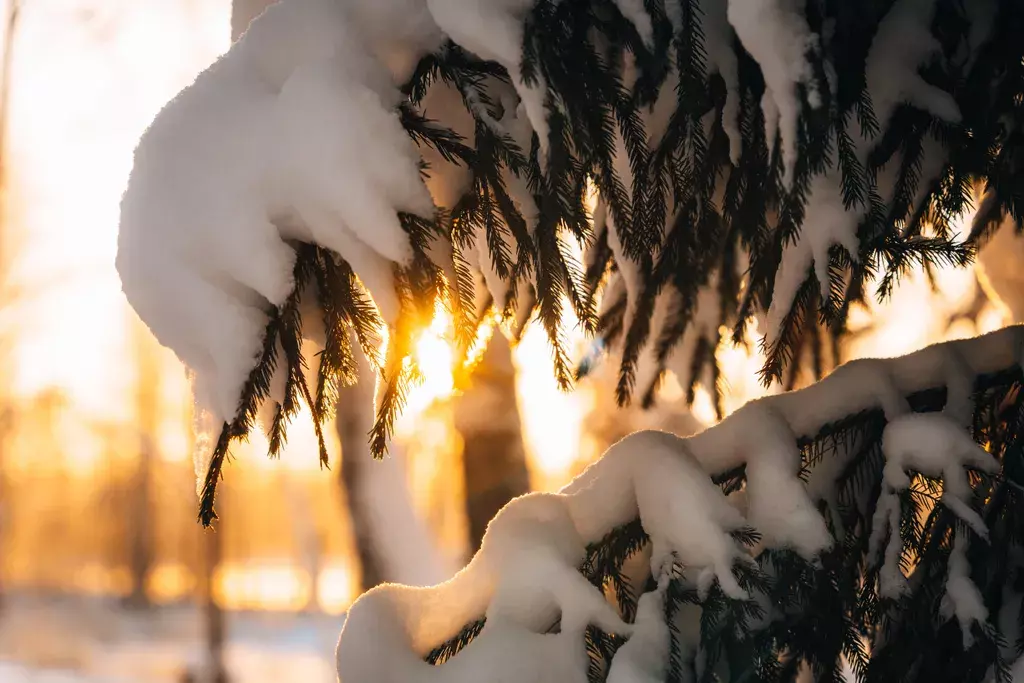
(689, 219)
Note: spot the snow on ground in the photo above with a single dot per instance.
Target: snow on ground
(76, 640)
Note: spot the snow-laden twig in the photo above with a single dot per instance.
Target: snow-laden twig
(936, 445)
(776, 34)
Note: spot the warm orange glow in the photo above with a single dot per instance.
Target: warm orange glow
(336, 588)
(435, 360)
(95, 578)
(557, 445)
(170, 582)
(70, 462)
(261, 585)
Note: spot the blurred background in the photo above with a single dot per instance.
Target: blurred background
(104, 573)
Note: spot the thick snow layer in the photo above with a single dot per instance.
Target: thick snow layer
(292, 134)
(775, 33)
(778, 504)
(524, 579)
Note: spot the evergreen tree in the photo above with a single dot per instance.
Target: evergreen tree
(666, 169)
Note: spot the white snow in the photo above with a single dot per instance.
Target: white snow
(644, 659)
(936, 446)
(291, 134)
(886, 520)
(778, 504)
(648, 370)
(493, 30)
(775, 33)
(721, 59)
(904, 42)
(635, 13)
(963, 599)
(66, 639)
(705, 324)
(827, 222)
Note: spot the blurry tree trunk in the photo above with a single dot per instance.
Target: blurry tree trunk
(140, 529)
(494, 457)
(354, 419)
(147, 417)
(214, 630)
(13, 8)
(306, 533)
(393, 542)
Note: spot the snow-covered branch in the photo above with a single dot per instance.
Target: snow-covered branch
(426, 153)
(525, 578)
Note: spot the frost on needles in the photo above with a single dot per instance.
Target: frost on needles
(346, 167)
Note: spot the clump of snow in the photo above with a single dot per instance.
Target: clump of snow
(936, 446)
(685, 514)
(903, 43)
(493, 30)
(291, 135)
(776, 34)
(635, 13)
(962, 599)
(886, 520)
(524, 578)
(778, 504)
(721, 59)
(827, 222)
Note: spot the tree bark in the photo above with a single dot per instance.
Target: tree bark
(147, 411)
(354, 420)
(214, 630)
(494, 457)
(393, 542)
(10, 31)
